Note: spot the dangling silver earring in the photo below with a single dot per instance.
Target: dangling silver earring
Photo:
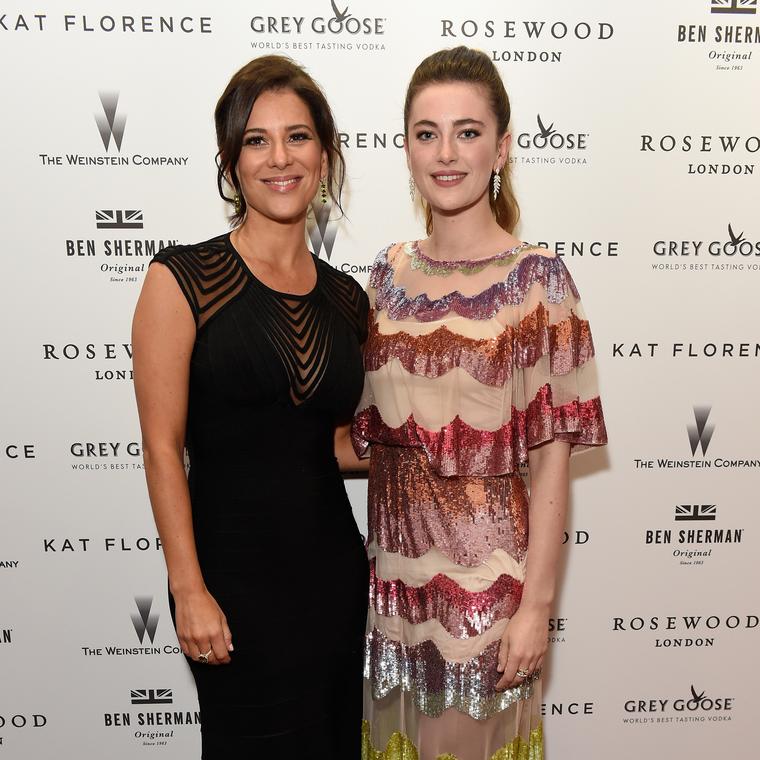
(236, 203)
(496, 184)
(412, 188)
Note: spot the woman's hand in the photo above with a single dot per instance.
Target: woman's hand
(523, 646)
(202, 627)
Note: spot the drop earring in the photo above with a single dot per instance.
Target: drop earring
(236, 203)
(323, 191)
(496, 184)
(412, 188)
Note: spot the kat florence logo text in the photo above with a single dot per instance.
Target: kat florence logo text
(736, 250)
(154, 717)
(685, 631)
(338, 29)
(110, 125)
(142, 27)
(698, 535)
(691, 705)
(728, 38)
(704, 155)
(145, 621)
(513, 40)
(699, 434)
(550, 143)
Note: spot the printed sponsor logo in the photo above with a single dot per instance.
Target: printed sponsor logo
(104, 545)
(151, 696)
(111, 125)
(567, 709)
(699, 434)
(737, 252)
(9, 564)
(156, 727)
(525, 41)
(145, 626)
(729, 41)
(76, 353)
(692, 706)
(340, 31)
(549, 145)
(6, 635)
(11, 723)
(118, 219)
(106, 456)
(558, 628)
(708, 155)
(685, 631)
(19, 451)
(127, 26)
(595, 249)
(693, 546)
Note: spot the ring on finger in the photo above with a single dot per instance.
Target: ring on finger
(522, 673)
(203, 658)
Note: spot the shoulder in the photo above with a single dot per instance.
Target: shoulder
(344, 290)
(536, 266)
(215, 247)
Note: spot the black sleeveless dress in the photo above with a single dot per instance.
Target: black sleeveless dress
(271, 376)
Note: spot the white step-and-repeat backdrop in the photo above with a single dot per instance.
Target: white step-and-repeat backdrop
(636, 156)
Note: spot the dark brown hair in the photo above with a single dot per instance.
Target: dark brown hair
(463, 64)
(271, 72)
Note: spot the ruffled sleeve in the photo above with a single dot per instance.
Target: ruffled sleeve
(555, 393)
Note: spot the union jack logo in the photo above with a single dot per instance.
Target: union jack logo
(152, 696)
(733, 6)
(118, 219)
(696, 512)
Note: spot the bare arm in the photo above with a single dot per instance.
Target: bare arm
(524, 642)
(345, 454)
(163, 334)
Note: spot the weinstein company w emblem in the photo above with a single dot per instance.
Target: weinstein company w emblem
(144, 622)
(109, 124)
(322, 230)
(700, 433)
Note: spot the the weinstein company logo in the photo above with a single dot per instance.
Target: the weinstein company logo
(151, 696)
(109, 124)
(700, 433)
(733, 6)
(118, 219)
(143, 621)
(691, 512)
(322, 230)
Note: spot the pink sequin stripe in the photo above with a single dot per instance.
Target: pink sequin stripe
(551, 273)
(488, 360)
(435, 684)
(458, 449)
(462, 613)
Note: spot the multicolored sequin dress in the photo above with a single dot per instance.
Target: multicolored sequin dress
(468, 365)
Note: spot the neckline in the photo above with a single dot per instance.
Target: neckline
(443, 268)
(252, 277)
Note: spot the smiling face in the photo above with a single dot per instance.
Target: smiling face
(452, 145)
(281, 161)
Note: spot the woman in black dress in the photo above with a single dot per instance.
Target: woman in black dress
(247, 351)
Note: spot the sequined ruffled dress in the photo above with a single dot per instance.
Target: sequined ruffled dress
(271, 375)
(467, 367)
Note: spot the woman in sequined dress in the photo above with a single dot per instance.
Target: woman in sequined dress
(247, 350)
(479, 360)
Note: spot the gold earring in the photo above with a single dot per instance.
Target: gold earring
(236, 203)
(412, 188)
(496, 184)
(323, 191)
